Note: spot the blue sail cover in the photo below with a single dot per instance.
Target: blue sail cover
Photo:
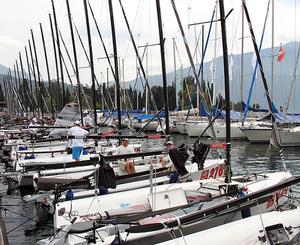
(234, 115)
(281, 117)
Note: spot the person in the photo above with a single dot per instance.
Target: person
(167, 163)
(87, 120)
(33, 131)
(126, 164)
(77, 144)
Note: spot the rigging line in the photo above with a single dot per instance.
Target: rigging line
(86, 55)
(196, 75)
(293, 80)
(270, 103)
(132, 27)
(108, 92)
(33, 94)
(139, 58)
(256, 66)
(69, 77)
(102, 42)
(70, 60)
(178, 55)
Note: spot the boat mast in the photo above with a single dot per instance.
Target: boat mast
(38, 74)
(227, 93)
(270, 104)
(91, 61)
(34, 76)
(163, 65)
(242, 60)
(48, 72)
(54, 51)
(75, 61)
(23, 92)
(272, 67)
(175, 74)
(117, 78)
(59, 55)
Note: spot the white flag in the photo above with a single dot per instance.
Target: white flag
(253, 63)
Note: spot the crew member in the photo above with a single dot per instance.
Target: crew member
(77, 143)
(126, 164)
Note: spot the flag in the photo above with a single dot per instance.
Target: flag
(280, 54)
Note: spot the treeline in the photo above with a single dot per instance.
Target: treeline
(131, 99)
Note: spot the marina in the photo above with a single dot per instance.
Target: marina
(150, 122)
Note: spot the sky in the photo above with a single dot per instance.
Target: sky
(17, 17)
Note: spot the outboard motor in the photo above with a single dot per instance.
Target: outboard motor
(179, 157)
(200, 153)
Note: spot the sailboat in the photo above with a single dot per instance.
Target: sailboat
(277, 227)
(104, 213)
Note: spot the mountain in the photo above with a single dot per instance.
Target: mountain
(3, 69)
(283, 72)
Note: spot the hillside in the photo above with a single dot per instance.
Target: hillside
(283, 72)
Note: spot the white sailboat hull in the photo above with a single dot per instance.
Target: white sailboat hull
(196, 129)
(289, 136)
(246, 231)
(220, 131)
(257, 134)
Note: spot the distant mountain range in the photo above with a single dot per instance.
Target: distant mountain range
(3, 69)
(283, 72)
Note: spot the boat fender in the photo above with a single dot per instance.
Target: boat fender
(245, 212)
(69, 195)
(103, 191)
(32, 156)
(85, 151)
(173, 177)
(23, 148)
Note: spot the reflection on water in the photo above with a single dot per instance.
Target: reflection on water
(246, 159)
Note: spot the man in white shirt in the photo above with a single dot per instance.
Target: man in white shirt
(126, 164)
(77, 144)
(33, 131)
(167, 162)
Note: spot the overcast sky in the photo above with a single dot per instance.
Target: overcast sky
(17, 17)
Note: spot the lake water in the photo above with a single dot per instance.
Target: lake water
(246, 158)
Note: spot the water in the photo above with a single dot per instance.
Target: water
(246, 158)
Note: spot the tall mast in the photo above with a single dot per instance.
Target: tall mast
(242, 60)
(175, 73)
(202, 56)
(91, 60)
(117, 77)
(59, 55)
(55, 53)
(48, 73)
(34, 75)
(227, 94)
(23, 78)
(28, 68)
(38, 74)
(272, 67)
(75, 61)
(163, 65)
(214, 77)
